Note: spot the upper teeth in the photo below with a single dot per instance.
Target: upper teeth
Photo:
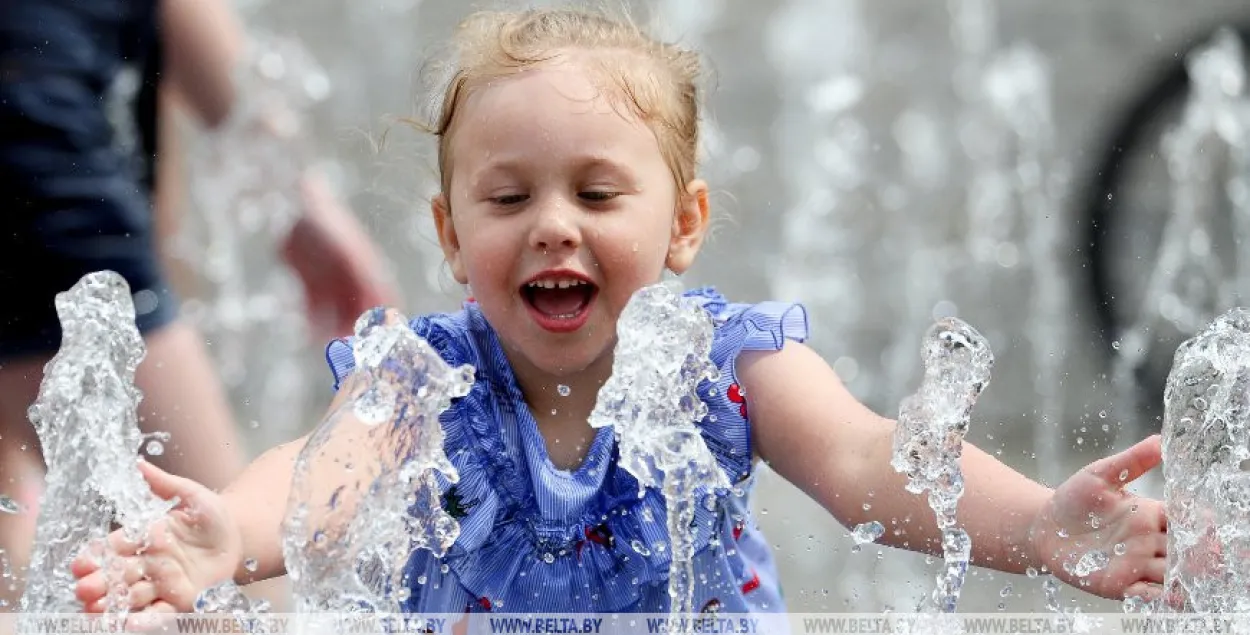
(563, 283)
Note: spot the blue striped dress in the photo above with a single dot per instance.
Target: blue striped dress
(535, 538)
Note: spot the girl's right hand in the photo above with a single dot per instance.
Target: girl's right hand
(195, 546)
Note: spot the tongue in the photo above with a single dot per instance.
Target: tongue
(555, 302)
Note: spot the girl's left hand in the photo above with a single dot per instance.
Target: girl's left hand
(1091, 513)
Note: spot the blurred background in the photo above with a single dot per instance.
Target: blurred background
(1067, 176)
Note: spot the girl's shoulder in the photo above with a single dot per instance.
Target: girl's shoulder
(450, 334)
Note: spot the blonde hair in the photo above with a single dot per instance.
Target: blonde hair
(662, 90)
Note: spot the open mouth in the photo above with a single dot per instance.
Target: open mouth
(559, 304)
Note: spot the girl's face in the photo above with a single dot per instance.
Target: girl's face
(561, 206)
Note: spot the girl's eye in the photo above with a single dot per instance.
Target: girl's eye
(598, 197)
(510, 199)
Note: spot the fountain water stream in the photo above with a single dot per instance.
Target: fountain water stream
(652, 403)
(88, 425)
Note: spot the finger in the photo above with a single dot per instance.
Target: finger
(120, 546)
(128, 570)
(166, 485)
(1121, 469)
(1152, 570)
(153, 617)
(142, 594)
(1160, 545)
(1163, 519)
(88, 559)
(1144, 590)
(91, 588)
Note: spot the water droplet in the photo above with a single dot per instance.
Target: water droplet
(253, 424)
(639, 547)
(563, 390)
(1062, 533)
(9, 506)
(1120, 548)
(1102, 414)
(250, 564)
(445, 568)
(421, 579)
(867, 506)
(549, 557)
(867, 532)
(709, 502)
(1031, 572)
(403, 594)
(1090, 563)
(1005, 592)
(1116, 345)
(155, 448)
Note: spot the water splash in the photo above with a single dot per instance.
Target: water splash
(365, 492)
(929, 438)
(88, 426)
(244, 178)
(652, 402)
(1206, 452)
(1187, 284)
(1017, 84)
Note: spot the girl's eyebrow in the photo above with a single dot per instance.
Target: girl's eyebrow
(582, 163)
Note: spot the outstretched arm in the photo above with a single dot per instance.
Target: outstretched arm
(814, 433)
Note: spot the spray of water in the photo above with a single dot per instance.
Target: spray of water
(1187, 285)
(365, 493)
(928, 441)
(1206, 452)
(244, 178)
(652, 403)
(88, 426)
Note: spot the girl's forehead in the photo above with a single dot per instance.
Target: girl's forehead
(546, 109)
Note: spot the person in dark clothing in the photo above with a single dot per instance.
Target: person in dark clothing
(78, 118)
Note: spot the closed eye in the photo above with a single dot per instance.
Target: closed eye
(510, 199)
(598, 197)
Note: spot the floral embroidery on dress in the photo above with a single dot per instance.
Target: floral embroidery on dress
(736, 395)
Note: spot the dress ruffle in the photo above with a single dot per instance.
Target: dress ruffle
(535, 538)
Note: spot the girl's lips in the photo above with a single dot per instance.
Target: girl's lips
(560, 310)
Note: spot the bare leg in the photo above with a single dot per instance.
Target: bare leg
(182, 396)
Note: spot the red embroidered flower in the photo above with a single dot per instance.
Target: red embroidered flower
(737, 531)
(600, 535)
(752, 584)
(484, 602)
(736, 396)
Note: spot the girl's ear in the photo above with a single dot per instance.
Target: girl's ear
(447, 238)
(690, 225)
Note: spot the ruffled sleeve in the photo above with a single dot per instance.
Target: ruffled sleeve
(441, 331)
(740, 327)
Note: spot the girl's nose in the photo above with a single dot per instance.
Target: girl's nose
(555, 228)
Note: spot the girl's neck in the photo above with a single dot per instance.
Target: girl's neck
(561, 405)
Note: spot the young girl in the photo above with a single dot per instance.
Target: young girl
(567, 146)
